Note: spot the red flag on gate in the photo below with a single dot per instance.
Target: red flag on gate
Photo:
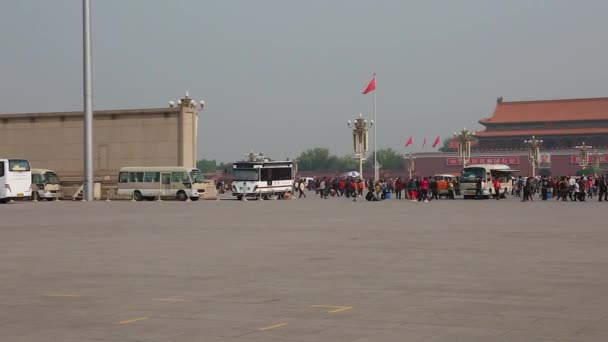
(437, 141)
(371, 86)
(409, 141)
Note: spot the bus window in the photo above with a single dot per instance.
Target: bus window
(185, 177)
(37, 179)
(18, 165)
(123, 177)
(245, 174)
(51, 178)
(470, 174)
(197, 176)
(152, 177)
(265, 175)
(136, 177)
(1, 169)
(281, 174)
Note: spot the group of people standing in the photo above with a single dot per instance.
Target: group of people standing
(416, 189)
(562, 188)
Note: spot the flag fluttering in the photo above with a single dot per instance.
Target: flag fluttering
(424, 142)
(409, 141)
(437, 141)
(371, 86)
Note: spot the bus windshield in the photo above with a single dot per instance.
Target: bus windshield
(18, 165)
(51, 178)
(470, 174)
(246, 175)
(197, 176)
(502, 176)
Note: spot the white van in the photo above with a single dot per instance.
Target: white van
(46, 185)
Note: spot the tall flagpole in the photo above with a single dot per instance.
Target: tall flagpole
(376, 171)
(88, 102)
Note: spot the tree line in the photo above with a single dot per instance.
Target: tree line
(321, 159)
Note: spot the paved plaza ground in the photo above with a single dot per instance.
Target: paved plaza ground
(304, 270)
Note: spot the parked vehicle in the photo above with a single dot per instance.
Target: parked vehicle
(262, 179)
(46, 185)
(174, 182)
(487, 173)
(15, 179)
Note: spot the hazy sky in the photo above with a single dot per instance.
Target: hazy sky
(280, 76)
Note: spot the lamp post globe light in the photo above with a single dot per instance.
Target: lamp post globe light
(464, 139)
(583, 155)
(411, 162)
(360, 128)
(533, 146)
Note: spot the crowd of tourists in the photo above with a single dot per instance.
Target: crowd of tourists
(562, 188)
(429, 188)
(416, 189)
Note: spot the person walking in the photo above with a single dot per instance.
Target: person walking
(434, 189)
(602, 185)
(399, 186)
(478, 188)
(301, 188)
(323, 188)
(496, 186)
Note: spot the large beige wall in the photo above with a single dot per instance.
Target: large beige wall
(148, 137)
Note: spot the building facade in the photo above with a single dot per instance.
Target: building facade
(562, 124)
(131, 137)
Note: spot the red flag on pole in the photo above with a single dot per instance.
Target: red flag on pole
(424, 142)
(371, 86)
(409, 141)
(437, 141)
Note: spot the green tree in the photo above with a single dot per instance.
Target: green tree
(315, 159)
(206, 165)
(388, 158)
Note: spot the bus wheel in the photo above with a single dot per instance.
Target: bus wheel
(138, 196)
(194, 198)
(181, 196)
(239, 197)
(3, 201)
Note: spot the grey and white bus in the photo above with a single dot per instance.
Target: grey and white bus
(262, 179)
(172, 182)
(15, 179)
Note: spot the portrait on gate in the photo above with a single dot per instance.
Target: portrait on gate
(545, 161)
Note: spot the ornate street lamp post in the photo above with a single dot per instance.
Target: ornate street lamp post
(533, 153)
(464, 139)
(360, 139)
(412, 160)
(583, 156)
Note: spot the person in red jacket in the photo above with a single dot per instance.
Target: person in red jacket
(496, 186)
(399, 186)
(424, 190)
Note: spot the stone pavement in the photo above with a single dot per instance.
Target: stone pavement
(304, 270)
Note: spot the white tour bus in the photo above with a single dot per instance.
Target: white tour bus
(46, 185)
(149, 183)
(487, 172)
(15, 179)
(262, 178)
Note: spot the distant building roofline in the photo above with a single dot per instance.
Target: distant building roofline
(142, 111)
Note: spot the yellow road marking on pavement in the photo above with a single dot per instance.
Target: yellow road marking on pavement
(334, 308)
(133, 320)
(62, 295)
(273, 326)
(172, 300)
